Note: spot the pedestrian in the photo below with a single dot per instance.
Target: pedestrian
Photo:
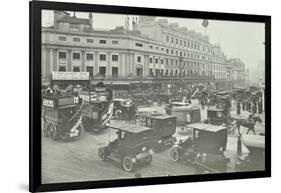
(238, 109)
(202, 103)
(243, 105)
(260, 106)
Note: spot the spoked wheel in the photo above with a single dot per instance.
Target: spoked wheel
(148, 159)
(127, 164)
(102, 153)
(156, 147)
(174, 154)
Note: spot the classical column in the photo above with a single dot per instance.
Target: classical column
(48, 71)
(133, 65)
(83, 61)
(127, 64)
(108, 65)
(43, 63)
(121, 65)
(54, 66)
(146, 66)
(69, 60)
(96, 64)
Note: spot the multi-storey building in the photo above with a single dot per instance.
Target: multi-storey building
(151, 51)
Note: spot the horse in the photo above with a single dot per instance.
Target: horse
(248, 123)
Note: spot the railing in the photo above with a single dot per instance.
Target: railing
(159, 77)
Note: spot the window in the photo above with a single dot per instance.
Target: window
(115, 42)
(156, 60)
(76, 39)
(184, 43)
(162, 61)
(114, 72)
(89, 56)
(150, 60)
(138, 59)
(76, 56)
(62, 55)
(188, 44)
(167, 51)
(76, 69)
(180, 42)
(102, 41)
(90, 41)
(102, 71)
(177, 41)
(62, 69)
(172, 40)
(172, 51)
(74, 28)
(151, 47)
(62, 38)
(139, 45)
(167, 38)
(162, 49)
(102, 57)
(114, 58)
(167, 61)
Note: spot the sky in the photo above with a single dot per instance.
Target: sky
(237, 39)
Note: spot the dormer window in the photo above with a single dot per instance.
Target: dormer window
(74, 28)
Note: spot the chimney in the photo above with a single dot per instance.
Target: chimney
(91, 21)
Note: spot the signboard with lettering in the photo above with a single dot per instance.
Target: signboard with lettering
(48, 103)
(70, 75)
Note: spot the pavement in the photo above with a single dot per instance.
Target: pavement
(78, 160)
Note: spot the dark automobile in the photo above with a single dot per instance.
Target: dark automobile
(61, 116)
(164, 127)
(132, 146)
(216, 116)
(186, 114)
(205, 148)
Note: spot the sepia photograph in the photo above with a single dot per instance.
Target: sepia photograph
(139, 96)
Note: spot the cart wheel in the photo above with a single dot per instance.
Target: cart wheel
(174, 154)
(54, 132)
(102, 153)
(127, 164)
(156, 147)
(149, 159)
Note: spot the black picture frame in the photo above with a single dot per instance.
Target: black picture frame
(35, 8)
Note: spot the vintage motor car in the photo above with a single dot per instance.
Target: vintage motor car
(186, 114)
(97, 107)
(124, 109)
(61, 116)
(255, 159)
(164, 127)
(132, 146)
(205, 148)
(217, 116)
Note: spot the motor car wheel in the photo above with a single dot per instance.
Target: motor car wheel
(128, 164)
(149, 159)
(102, 153)
(174, 154)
